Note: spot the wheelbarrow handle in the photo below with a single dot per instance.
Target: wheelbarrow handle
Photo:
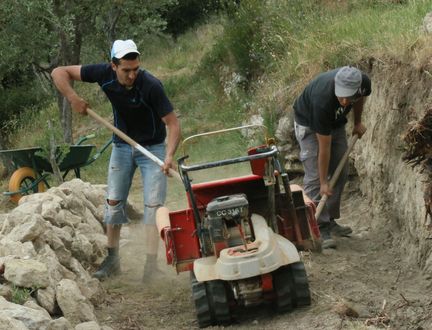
(336, 174)
(131, 142)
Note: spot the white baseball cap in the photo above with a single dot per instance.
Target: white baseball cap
(122, 47)
(347, 81)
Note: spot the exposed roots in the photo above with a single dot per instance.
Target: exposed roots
(418, 140)
(418, 152)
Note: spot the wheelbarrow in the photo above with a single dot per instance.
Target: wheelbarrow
(32, 169)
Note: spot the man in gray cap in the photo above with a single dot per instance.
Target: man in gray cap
(320, 117)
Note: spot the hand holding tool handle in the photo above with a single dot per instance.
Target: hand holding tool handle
(336, 174)
(131, 142)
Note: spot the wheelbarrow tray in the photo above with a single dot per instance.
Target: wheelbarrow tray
(77, 157)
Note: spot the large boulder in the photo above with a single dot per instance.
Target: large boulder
(74, 305)
(26, 273)
(33, 319)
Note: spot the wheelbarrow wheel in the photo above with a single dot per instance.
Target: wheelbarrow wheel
(23, 178)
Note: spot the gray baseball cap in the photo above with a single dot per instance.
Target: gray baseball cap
(347, 81)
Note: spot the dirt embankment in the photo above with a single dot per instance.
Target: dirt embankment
(401, 95)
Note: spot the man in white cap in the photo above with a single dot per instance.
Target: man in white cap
(320, 117)
(143, 112)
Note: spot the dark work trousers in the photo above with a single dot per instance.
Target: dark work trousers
(309, 157)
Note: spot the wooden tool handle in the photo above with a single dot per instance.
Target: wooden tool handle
(336, 174)
(131, 142)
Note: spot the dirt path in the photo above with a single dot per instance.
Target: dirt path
(365, 283)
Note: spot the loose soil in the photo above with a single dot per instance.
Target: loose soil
(366, 283)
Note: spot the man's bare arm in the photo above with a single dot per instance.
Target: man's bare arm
(174, 133)
(62, 77)
(324, 149)
(358, 128)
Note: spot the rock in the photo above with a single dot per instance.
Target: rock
(6, 292)
(82, 249)
(427, 23)
(92, 325)
(31, 303)
(344, 309)
(75, 306)
(26, 273)
(67, 218)
(56, 270)
(47, 299)
(30, 205)
(33, 319)
(56, 244)
(285, 130)
(94, 225)
(9, 247)
(37, 240)
(11, 324)
(64, 235)
(60, 324)
(33, 226)
(50, 210)
(90, 287)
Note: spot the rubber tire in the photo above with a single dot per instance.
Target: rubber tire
(211, 302)
(18, 178)
(282, 285)
(300, 284)
(291, 286)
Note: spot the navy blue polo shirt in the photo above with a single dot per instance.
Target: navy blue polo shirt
(318, 107)
(138, 111)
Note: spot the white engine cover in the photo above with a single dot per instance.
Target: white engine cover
(272, 251)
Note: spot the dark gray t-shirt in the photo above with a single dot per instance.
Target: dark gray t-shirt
(318, 107)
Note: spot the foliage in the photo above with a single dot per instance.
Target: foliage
(20, 294)
(14, 105)
(42, 34)
(187, 13)
(253, 38)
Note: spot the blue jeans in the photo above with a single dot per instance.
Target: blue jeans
(309, 157)
(123, 162)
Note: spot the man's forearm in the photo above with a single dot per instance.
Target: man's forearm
(173, 141)
(358, 110)
(173, 138)
(323, 166)
(324, 145)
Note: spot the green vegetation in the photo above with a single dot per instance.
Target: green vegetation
(20, 294)
(253, 58)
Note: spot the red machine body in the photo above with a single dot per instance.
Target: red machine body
(182, 243)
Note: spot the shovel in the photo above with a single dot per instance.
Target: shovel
(132, 143)
(336, 174)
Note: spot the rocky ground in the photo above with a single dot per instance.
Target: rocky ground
(366, 283)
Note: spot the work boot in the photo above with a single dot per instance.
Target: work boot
(110, 266)
(339, 230)
(151, 270)
(327, 242)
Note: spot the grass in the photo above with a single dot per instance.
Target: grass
(351, 33)
(20, 294)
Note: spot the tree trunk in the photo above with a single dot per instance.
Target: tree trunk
(67, 121)
(5, 165)
(52, 155)
(69, 54)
